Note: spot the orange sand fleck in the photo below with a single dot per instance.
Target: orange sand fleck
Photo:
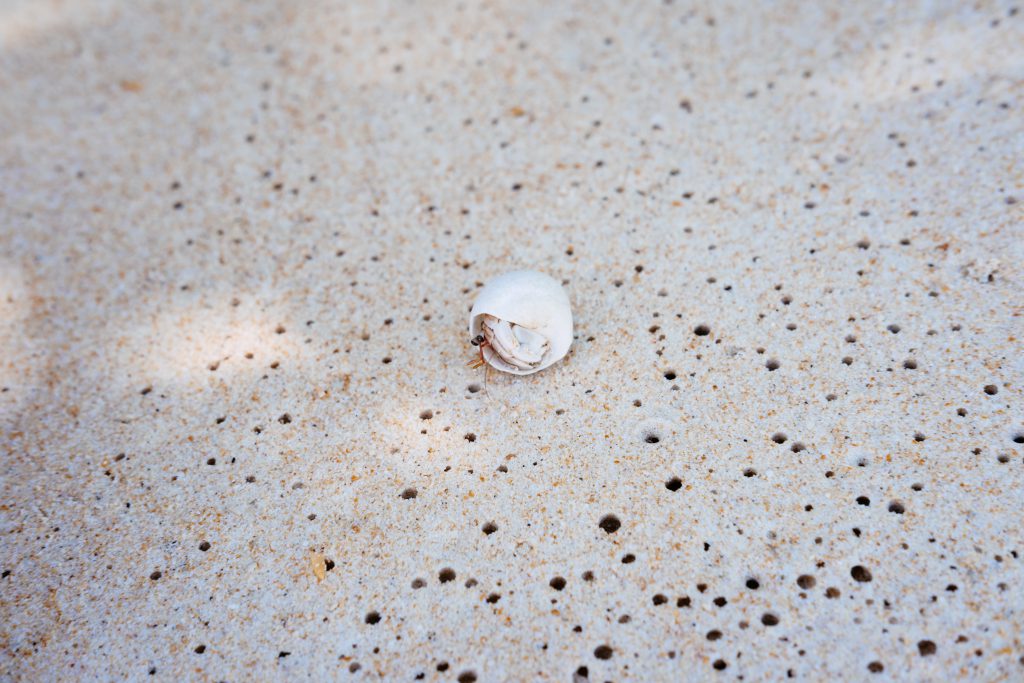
(319, 566)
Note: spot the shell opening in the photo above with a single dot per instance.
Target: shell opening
(512, 346)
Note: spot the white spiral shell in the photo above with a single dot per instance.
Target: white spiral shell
(525, 319)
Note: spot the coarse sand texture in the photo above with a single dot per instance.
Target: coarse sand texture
(239, 247)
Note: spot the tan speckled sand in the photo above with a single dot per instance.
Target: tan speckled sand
(238, 246)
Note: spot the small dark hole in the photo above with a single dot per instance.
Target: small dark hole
(876, 667)
(467, 677)
(155, 576)
(674, 484)
(779, 437)
(769, 619)
(610, 524)
(806, 581)
(719, 665)
(558, 583)
(409, 494)
(863, 500)
(204, 546)
(603, 652)
(489, 528)
(714, 634)
(910, 364)
(896, 507)
(772, 364)
(372, 617)
(926, 648)
(670, 375)
(446, 575)
(659, 599)
(200, 649)
(753, 584)
(991, 389)
(860, 574)
(702, 330)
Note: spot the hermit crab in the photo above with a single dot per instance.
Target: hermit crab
(521, 322)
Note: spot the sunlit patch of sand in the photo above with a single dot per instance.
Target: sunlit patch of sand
(896, 69)
(185, 346)
(24, 21)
